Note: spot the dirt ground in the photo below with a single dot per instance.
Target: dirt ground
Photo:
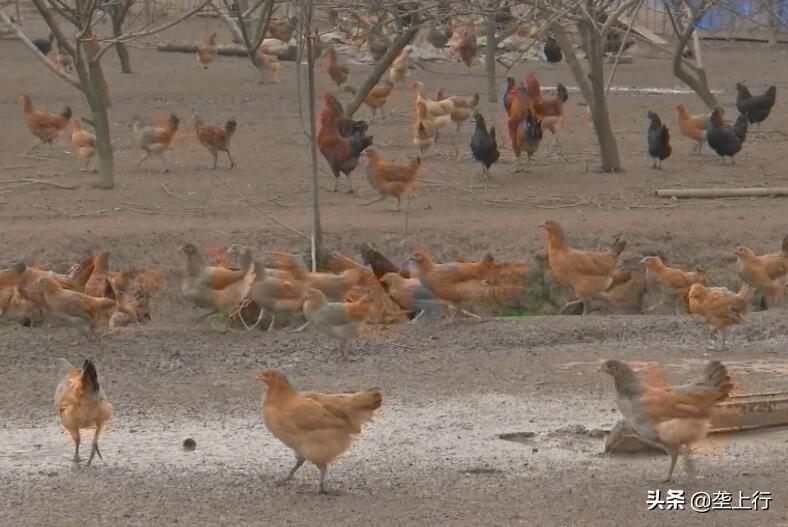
(433, 455)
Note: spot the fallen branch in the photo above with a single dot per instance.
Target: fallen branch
(169, 192)
(232, 50)
(711, 193)
(39, 182)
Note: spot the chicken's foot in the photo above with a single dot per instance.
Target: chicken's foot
(323, 489)
(301, 328)
(299, 463)
(370, 202)
(75, 437)
(674, 455)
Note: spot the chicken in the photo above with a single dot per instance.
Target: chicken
(483, 145)
(692, 126)
(338, 72)
(534, 92)
(206, 51)
(725, 140)
(44, 125)
(377, 42)
(98, 284)
(390, 179)
(81, 403)
(44, 45)
(672, 281)
(552, 51)
(658, 138)
(84, 142)
(768, 273)
(378, 97)
(427, 127)
(399, 68)
(410, 294)
(520, 105)
(154, 140)
(73, 307)
(667, 417)
(215, 138)
(467, 283)
(342, 320)
(341, 152)
(586, 273)
(756, 108)
(719, 307)
(434, 108)
(439, 37)
(277, 296)
(508, 91)
(334, 286)
(270, 66)
(380, 264)
(60, 57)
(462, 109)
(466, 48)
(283, 29)
(317, 427)
(553, 111)
(216, 288)
(529, 136)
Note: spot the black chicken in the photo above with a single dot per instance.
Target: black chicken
(658, 138)
(44, 45)
(755, 108)
(483, 144)
(725, 139)
(552, 51)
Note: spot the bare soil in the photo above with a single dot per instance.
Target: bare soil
(433, 456)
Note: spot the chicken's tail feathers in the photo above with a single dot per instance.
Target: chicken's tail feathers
(618, 246)
(563, 94)
(716, 377)
(90, 376)
(744, 292)
(64, 367)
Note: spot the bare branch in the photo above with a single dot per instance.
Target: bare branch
(32, 47)
(54, 27)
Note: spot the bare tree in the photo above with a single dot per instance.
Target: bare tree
(249, 26)
(86, 50)
(683, 18)
(591, 21)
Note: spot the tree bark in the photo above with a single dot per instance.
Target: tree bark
(118, 15)
(608, 147)
(380, 68)
(592, 87)
(94, 85)
(698, 84)
(489, 59)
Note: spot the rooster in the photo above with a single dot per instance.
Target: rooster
(341, 152)
(155, 139)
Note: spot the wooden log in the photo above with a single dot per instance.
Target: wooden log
(711, 193)
(283, 52)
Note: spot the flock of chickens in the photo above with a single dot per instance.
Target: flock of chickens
(343, 303)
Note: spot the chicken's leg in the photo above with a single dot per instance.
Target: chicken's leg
(94, 449)
(674, 455)
(723, 337)
(349, 184)
(232, 161)
(299, 463)
(164, 162)
(323, 489)
(145, 156)
(215, 159)
(75, 437)
(370, 202)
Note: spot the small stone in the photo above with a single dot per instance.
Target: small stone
(189, 444)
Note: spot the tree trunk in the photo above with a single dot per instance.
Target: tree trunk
(489, 59)
(380, 68)
(118, 15)
(608, 147)
(91, 78)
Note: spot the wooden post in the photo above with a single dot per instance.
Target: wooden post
(489, 58)
(317, 231)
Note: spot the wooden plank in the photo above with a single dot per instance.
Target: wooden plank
(720, 192)
(643, 31)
